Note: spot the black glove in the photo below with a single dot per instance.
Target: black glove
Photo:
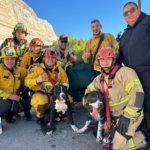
(123, 125)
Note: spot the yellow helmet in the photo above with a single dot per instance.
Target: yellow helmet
(19, 26)
(8, 52)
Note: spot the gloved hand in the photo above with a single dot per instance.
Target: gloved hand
(123, 125)
(71, 59)
(66, 65)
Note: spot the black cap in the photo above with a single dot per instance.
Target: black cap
(63, 37)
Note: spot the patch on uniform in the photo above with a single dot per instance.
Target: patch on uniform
(31, 71)
(106, 39)
(16, 74)
(6, 77)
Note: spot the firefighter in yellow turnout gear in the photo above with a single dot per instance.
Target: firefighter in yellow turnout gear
(34, 57)
(92, 43)
(42, 79)
(125, 99)
(11, 79)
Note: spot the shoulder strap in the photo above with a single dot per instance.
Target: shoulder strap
(100, 41)
(106, 93)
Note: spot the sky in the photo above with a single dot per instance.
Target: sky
(73, 17)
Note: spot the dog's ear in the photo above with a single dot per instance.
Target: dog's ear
(100, 95)
(84, 101)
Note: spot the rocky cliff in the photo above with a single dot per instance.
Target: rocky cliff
(14, 11)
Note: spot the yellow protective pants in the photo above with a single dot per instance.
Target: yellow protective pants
(40, 102)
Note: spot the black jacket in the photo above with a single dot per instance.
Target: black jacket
(134, 47)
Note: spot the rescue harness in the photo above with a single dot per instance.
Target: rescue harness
(106, 93)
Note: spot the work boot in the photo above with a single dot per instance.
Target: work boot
(40, 121)
(10, 120)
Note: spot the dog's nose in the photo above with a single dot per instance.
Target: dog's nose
(64, 96)
(100, 105)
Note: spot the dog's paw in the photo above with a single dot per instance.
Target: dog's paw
(98, 140)
(49, 133)
(79, 131)
(74, 128)
(49, 124)
(57, 119)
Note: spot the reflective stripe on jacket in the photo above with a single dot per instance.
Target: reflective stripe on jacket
(64, 60)
(126, 94)
(10, 83)
(30, 80)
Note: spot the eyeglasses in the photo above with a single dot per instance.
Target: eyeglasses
(64, 41)
(131, 10)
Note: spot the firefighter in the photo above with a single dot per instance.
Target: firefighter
(98, 40)
(11, 79)
(123, 96)
(34, 57)
(18, 42)
(65, 55)
(42, 79)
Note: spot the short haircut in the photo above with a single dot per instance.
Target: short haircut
(95, 20)
(130, 3)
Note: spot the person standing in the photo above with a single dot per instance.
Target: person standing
(98, 41)
(18, 42)
(134, 52)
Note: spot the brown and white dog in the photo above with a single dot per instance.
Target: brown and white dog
(60, 105)
(94, 104)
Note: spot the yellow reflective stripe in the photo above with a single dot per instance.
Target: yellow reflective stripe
(8, 44)
(133, 112)
(131, 144)
(66, 84)
(97, 69)
(139, 115)
(116, 46)
(58, 83)
(131, 84)
(1, 91)
(27, 82)
(92, 87)
(124, 99)
(130, 111)
(48, 83)
(59, 62)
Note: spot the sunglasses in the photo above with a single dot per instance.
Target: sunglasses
(131, 10)
(52, 52)
(64, 41)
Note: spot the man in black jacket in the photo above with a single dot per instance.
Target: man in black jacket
(134, 52)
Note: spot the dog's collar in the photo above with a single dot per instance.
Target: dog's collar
(97, 119)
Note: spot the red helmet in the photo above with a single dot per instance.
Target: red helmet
(36, 41)
(106, 52)
(50, 52)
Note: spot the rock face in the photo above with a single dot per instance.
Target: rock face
(14, 11)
